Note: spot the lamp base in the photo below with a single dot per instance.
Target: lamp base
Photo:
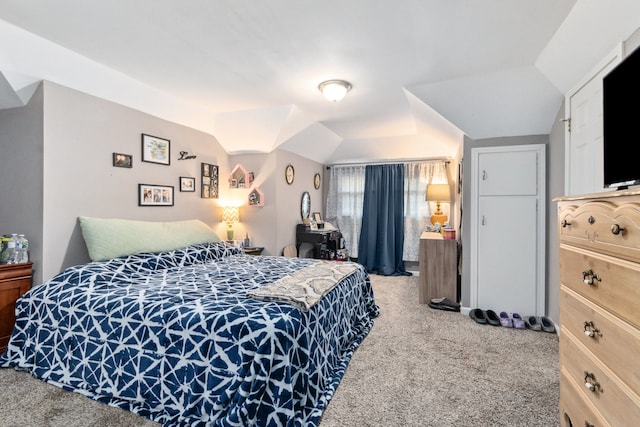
(230, 234)
(442, 219)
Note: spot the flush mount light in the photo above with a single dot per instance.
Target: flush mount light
(334, 90)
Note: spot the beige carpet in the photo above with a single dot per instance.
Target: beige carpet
(417, 367)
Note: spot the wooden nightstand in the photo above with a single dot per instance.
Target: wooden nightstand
(438, 268)
(15, 280)
(253, 251)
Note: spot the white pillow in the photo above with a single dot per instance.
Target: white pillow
(108, 238)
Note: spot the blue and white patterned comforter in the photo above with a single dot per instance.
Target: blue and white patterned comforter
(173, 337)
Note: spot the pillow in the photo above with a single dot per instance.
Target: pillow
(108, 238)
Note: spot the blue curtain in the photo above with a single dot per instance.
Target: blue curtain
(382, 232)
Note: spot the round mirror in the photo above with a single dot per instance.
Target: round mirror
(305, 206)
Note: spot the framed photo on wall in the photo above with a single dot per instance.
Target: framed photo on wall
(155, 195)
(187, 184)
(122, 160)
(156, 150)
(209, 181)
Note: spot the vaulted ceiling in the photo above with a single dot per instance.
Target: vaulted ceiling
(424, 72)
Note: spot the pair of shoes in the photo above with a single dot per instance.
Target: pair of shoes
(484, 317)
(513, 320)
(540, 324)
(444, 304)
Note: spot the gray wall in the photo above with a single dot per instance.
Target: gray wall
(555, 186)
(273, 226)
(21, 181)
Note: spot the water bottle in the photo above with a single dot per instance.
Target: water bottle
(22, 249)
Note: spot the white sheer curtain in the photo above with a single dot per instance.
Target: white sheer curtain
(417, 211)
(344, 203)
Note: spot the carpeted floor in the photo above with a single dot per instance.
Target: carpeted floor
(417, 367)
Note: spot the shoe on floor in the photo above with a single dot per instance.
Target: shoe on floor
(532, 323)
(547, 324)
(444, 304)
(505, 320)
(518, 322)
(492, 318)
(478, 315)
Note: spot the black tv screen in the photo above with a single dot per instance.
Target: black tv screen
(621, 117)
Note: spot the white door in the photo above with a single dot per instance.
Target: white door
(583, 132)
(507, 229)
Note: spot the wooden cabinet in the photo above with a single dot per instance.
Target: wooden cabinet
(600, 309)
(15, 280)
(438, 268)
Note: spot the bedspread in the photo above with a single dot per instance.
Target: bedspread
(173, 337)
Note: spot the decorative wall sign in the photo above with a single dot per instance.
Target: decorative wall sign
(156, 150)
(187, 184)
(155, 195)
(122, 160)
(184, 155)
(209, 188)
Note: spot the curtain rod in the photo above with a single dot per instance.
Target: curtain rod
(431, 159)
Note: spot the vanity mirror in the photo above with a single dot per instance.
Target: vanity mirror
(305, 207)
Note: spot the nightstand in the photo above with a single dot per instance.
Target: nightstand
(253, 251)
(15, 280)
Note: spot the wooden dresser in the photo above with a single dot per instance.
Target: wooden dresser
(600, 309)
(15, 280)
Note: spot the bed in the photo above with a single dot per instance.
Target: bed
(197, 336)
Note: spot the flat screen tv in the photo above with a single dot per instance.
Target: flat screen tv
(621, 123)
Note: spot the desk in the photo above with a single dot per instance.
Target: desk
(438, 268)
(322, 240)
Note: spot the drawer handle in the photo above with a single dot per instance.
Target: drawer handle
(591, 331)
(591, 383)
(565, 223)
(616, 229)
(591, 220)
(589, 276)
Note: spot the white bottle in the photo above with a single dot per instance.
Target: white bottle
(22, 248)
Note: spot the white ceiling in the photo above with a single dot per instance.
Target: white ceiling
(424, 72)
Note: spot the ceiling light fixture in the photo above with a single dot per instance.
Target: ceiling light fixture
(334, 90)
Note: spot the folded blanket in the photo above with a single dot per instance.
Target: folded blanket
(305, 287)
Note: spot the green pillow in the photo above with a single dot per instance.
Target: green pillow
(108, 238)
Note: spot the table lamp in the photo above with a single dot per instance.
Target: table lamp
(230, 214)
(438, 193)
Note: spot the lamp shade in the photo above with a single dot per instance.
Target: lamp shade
(334, 90)
(438, 193)
(230, 214)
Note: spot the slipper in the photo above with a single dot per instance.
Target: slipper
(532, 323)
(547, 324)
(444, 304)
(492, 318)
(505, 320)
(518, 323)
(478, 315)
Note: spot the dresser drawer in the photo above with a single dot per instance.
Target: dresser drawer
(615, 343)
(619, 405)
(616, 283)
(575, 409)
(592, 225)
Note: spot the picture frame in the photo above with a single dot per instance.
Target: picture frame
(156, 150)
(121, 160)
(187, 184)
(317, 217)
(209, 178)
(155, 195)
